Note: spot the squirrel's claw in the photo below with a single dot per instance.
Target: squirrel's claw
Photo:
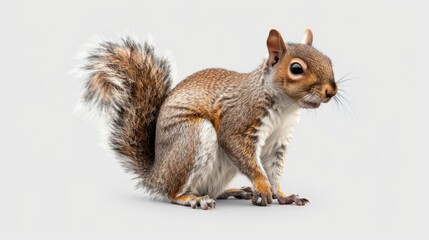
(204, 202)
(265, 199)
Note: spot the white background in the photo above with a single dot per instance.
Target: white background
(365, 172)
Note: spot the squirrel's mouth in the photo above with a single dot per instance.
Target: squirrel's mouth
(308, 104)
(311, 100)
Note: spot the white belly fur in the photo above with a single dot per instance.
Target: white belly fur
(276, 130)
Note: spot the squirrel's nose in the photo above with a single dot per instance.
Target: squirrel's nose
(329, 89)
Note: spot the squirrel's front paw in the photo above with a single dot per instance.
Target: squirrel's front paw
(265, 198)
(292, 199)
(262, 195)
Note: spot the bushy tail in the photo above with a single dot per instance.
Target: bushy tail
(129, 83)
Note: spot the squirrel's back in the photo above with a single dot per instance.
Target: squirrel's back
(203, 94)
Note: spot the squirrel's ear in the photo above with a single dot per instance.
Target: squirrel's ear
(308, 37)
(276, 46)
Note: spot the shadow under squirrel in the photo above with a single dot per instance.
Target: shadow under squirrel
(188, 143)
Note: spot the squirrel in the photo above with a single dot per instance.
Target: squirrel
(189, 142)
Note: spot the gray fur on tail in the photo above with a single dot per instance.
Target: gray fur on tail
(129, 83)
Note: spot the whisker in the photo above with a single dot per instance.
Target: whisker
(341, 99)
(346, 75)
(348, 105)
(343, 91)
(340, 82)
(336, 102)
(344, 79)
(341, 104)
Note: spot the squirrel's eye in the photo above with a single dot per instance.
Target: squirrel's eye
(296, 68)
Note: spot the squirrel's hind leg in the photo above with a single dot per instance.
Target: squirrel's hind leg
(211, 171)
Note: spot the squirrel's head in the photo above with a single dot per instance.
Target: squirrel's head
(302, 72)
